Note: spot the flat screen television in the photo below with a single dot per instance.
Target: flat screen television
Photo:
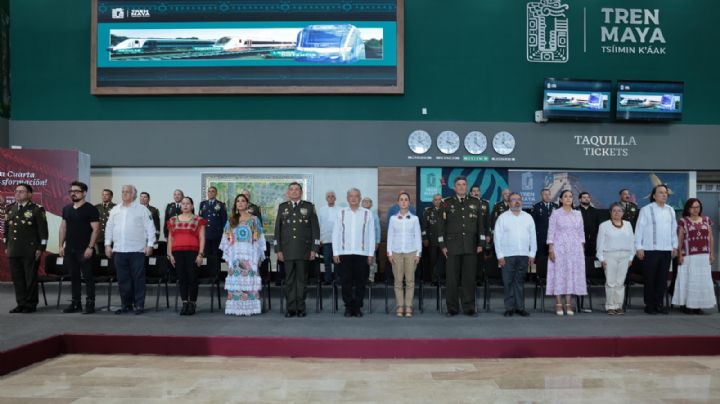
(570, 99)
(649, 101)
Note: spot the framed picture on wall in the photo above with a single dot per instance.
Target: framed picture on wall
(267, 191)
(247, 46)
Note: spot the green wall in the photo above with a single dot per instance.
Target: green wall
(464, 60)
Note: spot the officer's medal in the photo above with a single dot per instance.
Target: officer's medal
(217, 208)
(28, 214)
(303, 211)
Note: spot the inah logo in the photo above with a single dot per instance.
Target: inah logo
(139, 13)
(547, 32)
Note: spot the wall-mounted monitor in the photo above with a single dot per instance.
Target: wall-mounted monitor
(569, 99)
(247, 46)
(649, 100)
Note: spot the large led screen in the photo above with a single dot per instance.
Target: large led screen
(247, 46)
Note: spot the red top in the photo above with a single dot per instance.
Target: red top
(697, 235)
(186, 235)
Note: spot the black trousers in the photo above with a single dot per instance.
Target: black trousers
(354, 272)
(436, 264)
(186, 271)
(461, 270)
(213, 254)
(23, 271)
(655, 274)
(80, 268)
(513, 275)
(295, 283)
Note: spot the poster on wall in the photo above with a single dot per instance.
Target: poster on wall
(247, 46)
(440, 180)
(266, 191)
(604, 186)
(49, 173)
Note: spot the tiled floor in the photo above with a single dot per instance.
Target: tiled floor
(110, 379)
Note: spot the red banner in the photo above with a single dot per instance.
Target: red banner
(49, 173)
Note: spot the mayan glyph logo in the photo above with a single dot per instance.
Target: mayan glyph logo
(547, 32)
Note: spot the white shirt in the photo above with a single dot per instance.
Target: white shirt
(354, 232)
(515, 235)
(656, 228)
(129, 228)
(404, 234)
(326, 217)
(612, 239)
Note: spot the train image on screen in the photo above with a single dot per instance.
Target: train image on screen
(593, 101)
(159, 45)
(339, 43)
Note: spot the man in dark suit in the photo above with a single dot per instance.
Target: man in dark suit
(591, 223)
(104, 209)
(460, 228)
(172, 209)
(297, 241)
(26, 237)
(154, 212)
(215, 213)
(540, 213)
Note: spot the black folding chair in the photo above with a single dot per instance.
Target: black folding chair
(156, 273)
(53, 273)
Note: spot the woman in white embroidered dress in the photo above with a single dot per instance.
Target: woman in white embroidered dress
(243, 247)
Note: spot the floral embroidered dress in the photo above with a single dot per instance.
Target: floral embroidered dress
(243, 249)
(566, 276)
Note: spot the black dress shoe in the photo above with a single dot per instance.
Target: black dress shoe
(663, 310)
(301, 313)
(18, 309)
(508, 313)
(348, 313)
(451, 313)
(688, 311)
(73, 308)
(29, 309)
(471, 313)
(89, 307)
(122, 310)
(522, 313)
(699, 312)
(650, 311)
(139, 311)
(289, 314)
(184, 310)
(192, 306)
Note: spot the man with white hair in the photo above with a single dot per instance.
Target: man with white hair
(353, 251)
(129, 237)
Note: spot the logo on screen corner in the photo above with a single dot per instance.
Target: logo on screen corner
(140, 13)
(547, 32)
(117, 13)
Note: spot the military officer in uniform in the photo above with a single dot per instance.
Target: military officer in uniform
(215, 213)
(252, 208)
(297, 241)
(173, 209)
(485, 212)
(540, 213)
(26, 236)
(154, 212)
(460, 230)
(431, 217)
(500, 208)
(104, 209)
(630, 209)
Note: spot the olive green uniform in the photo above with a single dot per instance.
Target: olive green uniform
(104, 211)
(461, 231)
(630, 213)
(26, 232)
(431, 217)
(297, 233)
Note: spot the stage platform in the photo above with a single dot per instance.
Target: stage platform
(429, 334)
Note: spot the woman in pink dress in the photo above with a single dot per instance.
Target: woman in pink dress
(566, 267)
